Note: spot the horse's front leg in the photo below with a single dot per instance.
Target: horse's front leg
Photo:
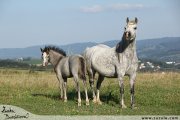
(121, 85)
(60, 86)
(100, 79)
(132, 91)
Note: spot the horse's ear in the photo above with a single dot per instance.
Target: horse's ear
(127, 20)
(136, 20)
(41, 49)
(48, 49)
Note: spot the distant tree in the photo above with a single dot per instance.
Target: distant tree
(13, 64)
(27, 59)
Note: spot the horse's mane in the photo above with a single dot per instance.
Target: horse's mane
(54, 48)
(122, 45)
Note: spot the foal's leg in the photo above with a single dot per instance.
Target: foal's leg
(78, 88)
(91, 74)
(65, 89)
(85, 89)
(60, 85)
(100, 79)
(132, 81)
(121, 84)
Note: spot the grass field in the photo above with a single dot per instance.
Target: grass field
(38, 92)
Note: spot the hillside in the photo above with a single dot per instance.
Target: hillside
(163, 49)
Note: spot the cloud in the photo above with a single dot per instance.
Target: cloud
(92, 9)
(114, 7)
(120, 6)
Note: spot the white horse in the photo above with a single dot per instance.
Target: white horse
(116, 62)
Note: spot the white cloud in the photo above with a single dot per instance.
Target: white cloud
(92, 9)
(116, 7)
(120, 6)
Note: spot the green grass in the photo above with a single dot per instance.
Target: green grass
(37, 92)
(33, 61)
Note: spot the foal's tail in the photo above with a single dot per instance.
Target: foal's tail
(82, 69)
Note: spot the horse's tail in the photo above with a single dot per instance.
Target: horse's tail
(82, 69)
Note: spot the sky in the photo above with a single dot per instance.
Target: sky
(25, 23)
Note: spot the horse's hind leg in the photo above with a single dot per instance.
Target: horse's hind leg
(65, 89)
(85, 89)
(100, 79)
(78, 88)
(91, 74)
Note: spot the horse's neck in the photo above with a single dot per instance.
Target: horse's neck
(55, 57)
(126, 49)
(132, 47)
(126, 46)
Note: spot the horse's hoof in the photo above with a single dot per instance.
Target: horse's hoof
(87, 103)
(123, 106)
(79, 104)
(134, 107)
(65, 101)
(94, 101)
(99, 102)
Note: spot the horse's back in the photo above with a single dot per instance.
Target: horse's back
(103, 46)
(102, 59)
(89, 52)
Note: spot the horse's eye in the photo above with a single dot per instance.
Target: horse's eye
(135, 28)
(125, 28)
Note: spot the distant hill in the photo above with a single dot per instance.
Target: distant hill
(163, 49)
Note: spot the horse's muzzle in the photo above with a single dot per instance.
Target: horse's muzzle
(44, 64)
(128, 34)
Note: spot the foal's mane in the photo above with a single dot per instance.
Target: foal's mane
(56, 49)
